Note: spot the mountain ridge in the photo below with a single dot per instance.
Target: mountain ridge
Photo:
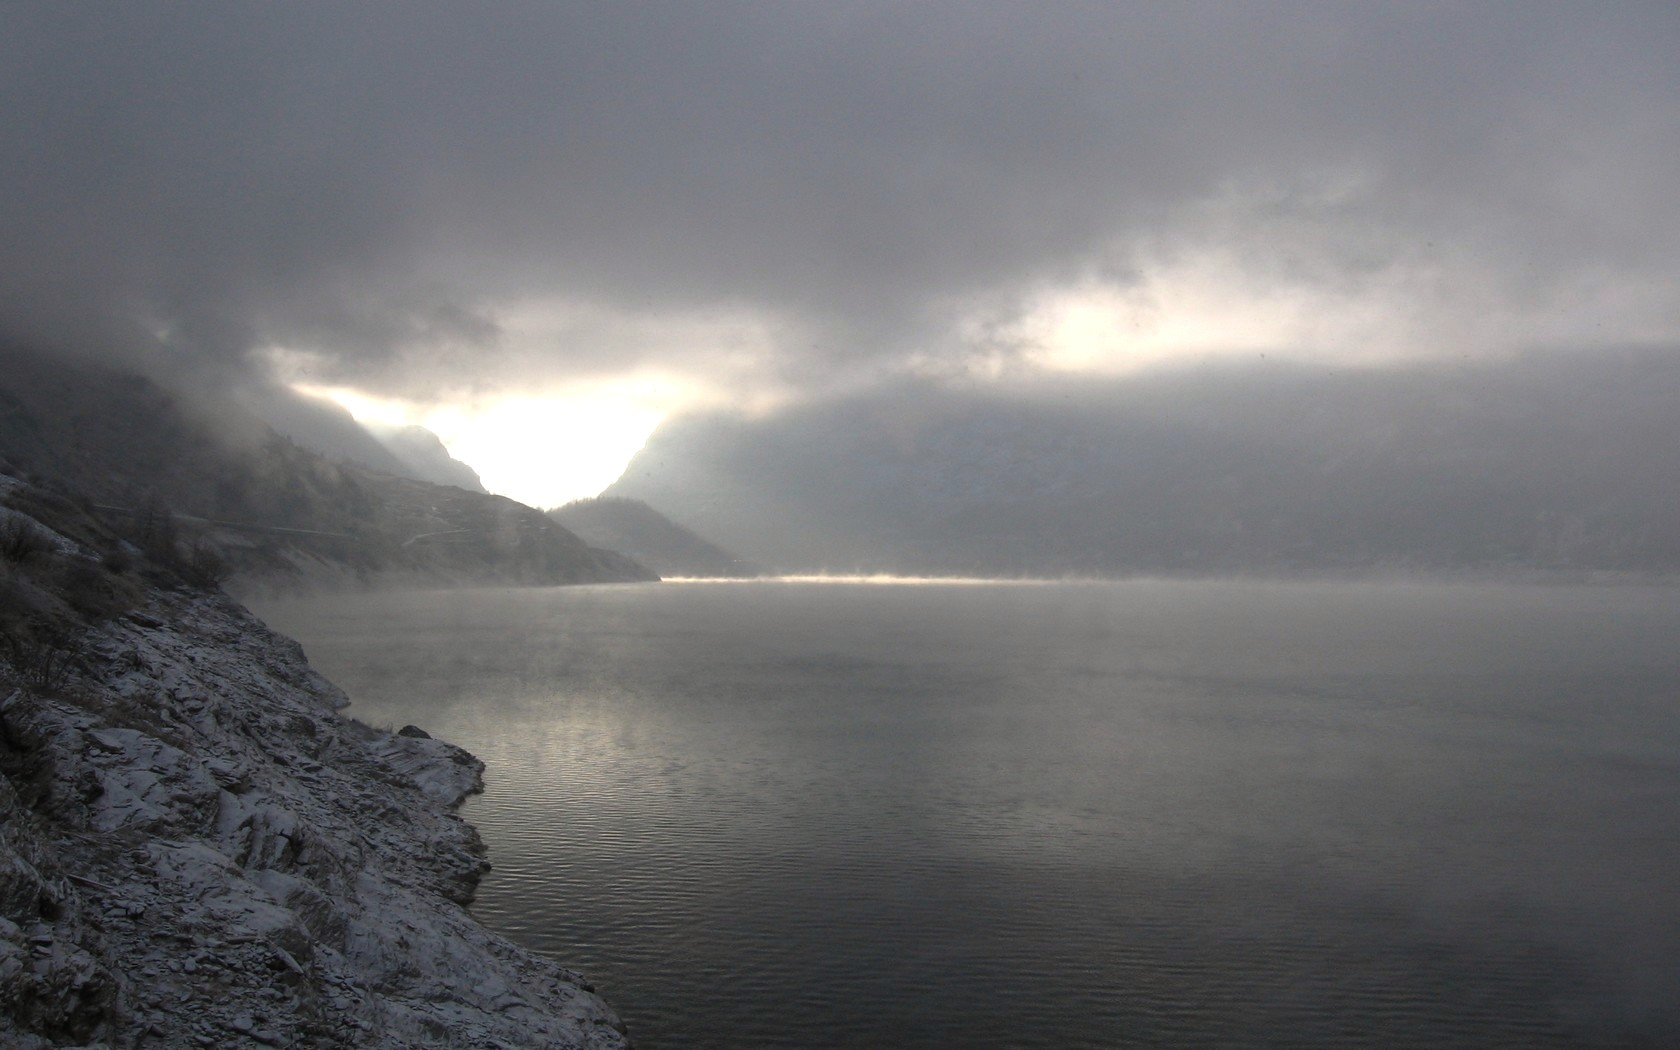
(651, 538)
(1548, 463)
(284, 517)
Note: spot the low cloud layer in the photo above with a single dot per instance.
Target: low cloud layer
(408, 198)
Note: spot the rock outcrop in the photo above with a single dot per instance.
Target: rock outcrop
(197, 848)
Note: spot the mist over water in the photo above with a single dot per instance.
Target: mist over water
(818, 814)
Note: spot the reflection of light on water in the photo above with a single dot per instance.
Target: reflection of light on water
(1214, 812)
(877, 579)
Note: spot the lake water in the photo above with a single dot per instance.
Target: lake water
(814, 815)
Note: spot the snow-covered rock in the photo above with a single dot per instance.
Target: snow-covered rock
(197, 848)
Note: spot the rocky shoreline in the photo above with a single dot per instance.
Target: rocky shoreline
(197, 848)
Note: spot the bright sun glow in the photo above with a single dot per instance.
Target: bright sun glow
(1196, 309)
(546, 451)
(541, 450)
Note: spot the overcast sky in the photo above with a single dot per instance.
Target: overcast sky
(633, 209)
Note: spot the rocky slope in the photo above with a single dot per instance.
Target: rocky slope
(198, 849)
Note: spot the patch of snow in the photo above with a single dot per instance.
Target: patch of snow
(206, 852)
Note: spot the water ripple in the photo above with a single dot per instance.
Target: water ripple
(816, 815)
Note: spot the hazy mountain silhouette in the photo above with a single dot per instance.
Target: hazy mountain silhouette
(424, 456)
(288, 515)
(322, 426)
(1549, 462)
(636, 529)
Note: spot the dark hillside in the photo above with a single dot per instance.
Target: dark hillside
(282, 515)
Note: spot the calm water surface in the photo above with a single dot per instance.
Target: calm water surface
(815, 815)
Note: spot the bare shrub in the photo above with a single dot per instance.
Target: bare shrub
(203, 565)
(93, 592)
(42, 655)
(22, 541)
(39, 638)
(117, 560)
(156, 533)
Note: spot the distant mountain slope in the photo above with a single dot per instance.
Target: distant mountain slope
(322, 426)
(1552, 462)
(424, 456)
(636, 529)
(290, 516)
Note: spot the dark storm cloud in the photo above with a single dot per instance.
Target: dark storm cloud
(363, 179)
